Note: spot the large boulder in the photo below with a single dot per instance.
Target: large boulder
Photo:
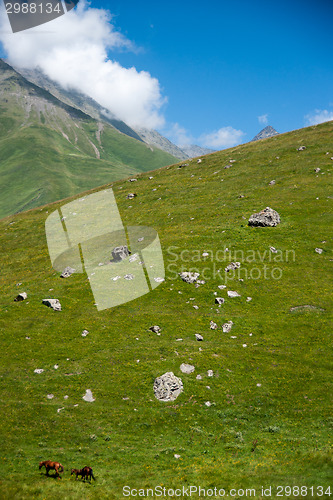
(167, 387)
(267, 217)
(120, 253)
(53, 303)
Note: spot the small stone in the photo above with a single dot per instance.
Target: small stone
(50, 396)
(38, 371)
(208, 403)
(213, 326)
(56, 367)
(232, 266)
(185, 368)
(84, 333)
(130, 196)
(198, 336)
(176, 456)
(248, 299)
(227, 327)
(196, 307)
(222, 287)
(21, 296)
(88, 396)
(129, 276)
(155, 329)
(319, 250)
(132, 180)
(317, 170)
(189, 277)
(67, 272)
(301, 148)
(272, 183)
(219, 300)
(53, 303)
(233, 294)
(273, 249)
(210, 373)
(198, 377)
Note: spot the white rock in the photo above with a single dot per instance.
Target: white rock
(273, 249)
(167, 387)
(319, 250)
(53, 303)
(88, 396)
(219, 300)
(185, 368)
(50, 396)
(38, 370)
(233, 294)
(248, 299)
(222, 287)
(208, 403)
(210, 373)
(198, 377)
(227, 327)
(84, 333)
(198, 336)
(213, 326)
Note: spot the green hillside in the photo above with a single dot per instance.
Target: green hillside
(269, 422)
(50, 150)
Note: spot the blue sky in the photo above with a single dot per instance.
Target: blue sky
(220, 65)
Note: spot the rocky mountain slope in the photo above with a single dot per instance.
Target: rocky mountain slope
(265, 133)
(50, 149)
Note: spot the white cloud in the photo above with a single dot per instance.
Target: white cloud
(223, 138)
(179, 135)
(73, 50)
(263, 119)
(319, 116)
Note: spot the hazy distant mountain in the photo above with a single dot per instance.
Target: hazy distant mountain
(265, 133)
(154, 138)
(192, 150)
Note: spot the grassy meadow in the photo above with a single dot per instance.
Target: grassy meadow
(269, 422)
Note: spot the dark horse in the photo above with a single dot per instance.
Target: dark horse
(48, 464)
(85, 473)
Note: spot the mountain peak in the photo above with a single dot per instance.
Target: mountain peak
(265, 133)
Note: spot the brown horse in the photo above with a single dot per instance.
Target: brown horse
(48, 464)
(85, 473)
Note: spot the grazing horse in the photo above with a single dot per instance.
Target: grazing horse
(48, 464)
(85, 473)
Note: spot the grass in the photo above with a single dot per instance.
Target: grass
(126, 435)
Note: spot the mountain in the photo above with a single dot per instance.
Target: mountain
(193, 151)
(265, 133)
(78, 100)
(155, 139)
(256, 409)
(50, 149)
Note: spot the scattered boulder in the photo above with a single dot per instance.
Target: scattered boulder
(84, 333)
(248, 299)
(130, 196)
(198, 337)
(273, 249)
(222, 287)
(210, 373)
(319, 250)
(167, 387)
(185, 368)
(272, 183)
(132, 180)
(88, 396)
(232, 294)
(232, 266)
(213, 326)
(189, 277)
(199, 161)
(266, 218)
(53, 303)
(219, 300)
(67, 272)
(227, 326)
(38, 371)
(301, 148)
(21, 296)
(317, 170)
(155, 329)
(120, 253)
